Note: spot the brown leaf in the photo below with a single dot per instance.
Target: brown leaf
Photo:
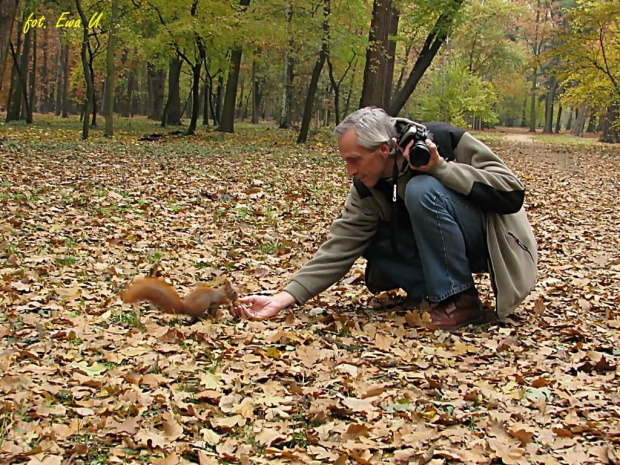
(383, 342)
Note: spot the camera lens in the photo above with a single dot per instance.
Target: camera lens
(420, 154)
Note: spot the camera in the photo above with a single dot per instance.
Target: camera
(407, 130)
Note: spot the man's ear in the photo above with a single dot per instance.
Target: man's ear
(386, 150)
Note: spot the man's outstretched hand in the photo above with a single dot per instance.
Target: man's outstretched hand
(261, 307)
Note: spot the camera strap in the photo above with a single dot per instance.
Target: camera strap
(395, 172)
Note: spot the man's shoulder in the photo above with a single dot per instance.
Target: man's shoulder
(446, 136)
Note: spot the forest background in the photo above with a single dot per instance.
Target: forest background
(95, 193)
(548, 65)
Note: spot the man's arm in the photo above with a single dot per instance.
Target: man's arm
(348, 237)
(482, 176)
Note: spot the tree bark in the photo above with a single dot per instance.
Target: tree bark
(533, 100)
(610, 127)
(432, 44)
(8, 10)
(285, 110)
(227, 120)
(90, 90)
(44, 99)
(376, 88)
(548, 129)
(172, 110)
(316, 73)
(110, 82)
(156, 89)
(580, 122)
(558, 120)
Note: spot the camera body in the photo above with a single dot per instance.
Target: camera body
(407, 130)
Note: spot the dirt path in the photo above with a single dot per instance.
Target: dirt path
(519, 138)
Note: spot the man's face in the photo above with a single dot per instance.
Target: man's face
(368, 166)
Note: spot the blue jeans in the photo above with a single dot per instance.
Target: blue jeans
(436, 256)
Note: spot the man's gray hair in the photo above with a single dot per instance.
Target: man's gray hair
(373, 126)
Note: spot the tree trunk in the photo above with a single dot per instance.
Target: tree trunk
(8, 9)
(255, 93)
(31, 94)
(43, 101)
(156, 90)
(591, 122)
(219, 100)
(285, 110)
(377, 83)
(548, 129)
(580, 122)
(21, 88)
(558, 120)
(316, 73)
(65, 83)
(533, 100)
(172, 110)
(569, 123)
(90, 90)
(434, 41)
(196, 68)
(227, 120)
(110, 81)
(610, 127)
(131, 86)
(58, 85)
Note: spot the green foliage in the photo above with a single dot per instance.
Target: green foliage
(590, 53)
(452, 94)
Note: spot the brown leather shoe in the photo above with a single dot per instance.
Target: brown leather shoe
(458, 311)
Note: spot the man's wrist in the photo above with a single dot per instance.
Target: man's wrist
(285, 299)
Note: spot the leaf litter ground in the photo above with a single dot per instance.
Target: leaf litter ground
(347, 378)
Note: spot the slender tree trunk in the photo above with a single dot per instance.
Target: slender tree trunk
(533, 100)
(21, 88)
(610, 127)
(219, 100)
(191, 130)
(157, 87)
(172, 110)
(580, 122)
(558, 120)
(569, 123)
(316, 73)
(435, 39)
(32, 96)
(548, 129)
(8, 9)
(90, 90)
(59, 81)
(285, 110)
(65, 83)
(255, 93)
(110, 82)
(591, 122)
(43, 101)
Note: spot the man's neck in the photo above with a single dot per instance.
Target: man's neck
(389, 167)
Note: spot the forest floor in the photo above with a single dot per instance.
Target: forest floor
(86, 379)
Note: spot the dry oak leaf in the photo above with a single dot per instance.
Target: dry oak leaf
(172, 428)
(151, 439)
(360, 405)
(269, 435)
(383, 342)
(308, 355)
(129, 426)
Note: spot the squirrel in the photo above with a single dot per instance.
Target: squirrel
(161, 294)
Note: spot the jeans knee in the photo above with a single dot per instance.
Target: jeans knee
(421, 191)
